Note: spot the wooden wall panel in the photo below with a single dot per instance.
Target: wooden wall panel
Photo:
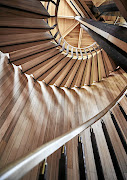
(34, 113)
(72, 38)
(87, 40)
(64, 8)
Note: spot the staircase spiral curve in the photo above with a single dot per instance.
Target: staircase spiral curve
(25, 36)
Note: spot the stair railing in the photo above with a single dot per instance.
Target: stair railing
(20, 167)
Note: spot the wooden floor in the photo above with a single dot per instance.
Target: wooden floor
(33, 114)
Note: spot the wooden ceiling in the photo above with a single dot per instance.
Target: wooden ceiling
(69, 28)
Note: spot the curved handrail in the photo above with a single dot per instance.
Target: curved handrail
(20, 167)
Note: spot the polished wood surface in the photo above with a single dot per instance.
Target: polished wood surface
(23, 38)
(85, 9)
(69, 29)
(30, 6)
(36, 48)
(34, 114)
(30, 48)
(16, 22)
(115, 40)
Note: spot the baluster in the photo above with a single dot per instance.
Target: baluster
(77, 53)
(86, 53)
(67, 49)
(63, 165)
(43, 171)
(59, 41)
(81, 54)
(112, 153)
(63, 47)
(97, 159)
(81, 160)
(72, 51)
(123, 112)
(119, 131)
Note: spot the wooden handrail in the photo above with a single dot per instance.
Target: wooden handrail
(116, 41)
(20, 167)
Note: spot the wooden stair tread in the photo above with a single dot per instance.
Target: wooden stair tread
(56, 71)
(9, 30)
(38, 60)
(59, 70)
(23, 22)
(31, 50)
(73, 73)
(12, 48)
(95, 68)
(23, 38)
(33, 6)
(32, 57)
(65, 72)
(6, 11)
(68, 73)
(88, 71)
(107, 60)
(80, 73)
(39, 66)
(47, 73)
(102, 72)
(42, 70)
(105, 65)
(76, 75)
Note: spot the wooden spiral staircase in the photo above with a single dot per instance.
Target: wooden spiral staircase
(25, 41)
(24, 36)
